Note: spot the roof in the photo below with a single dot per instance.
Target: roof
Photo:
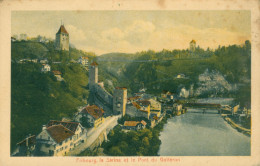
(133, 123)
(72, 126)
(136, 105)
(59, 133)
(31, 140)
(134, 98)
(56, 72)
(83, 57)
(62, 30)
(144, 102)
(94, 64)
(94, 111)
(143, 122)
(193, 41)
(155, 117)
(124, 88)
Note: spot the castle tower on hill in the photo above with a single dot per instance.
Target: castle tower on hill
(192, 45)
(93, 75)
(62, 39)
(119, 100)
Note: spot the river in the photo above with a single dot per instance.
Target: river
(197, 134)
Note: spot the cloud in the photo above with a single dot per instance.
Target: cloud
(76, 34)
(144, 35)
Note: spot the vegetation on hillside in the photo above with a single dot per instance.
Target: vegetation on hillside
(38, 97)
(157, 71)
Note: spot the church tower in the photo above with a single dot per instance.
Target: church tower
(93, 75)
(62, 39)
(119, 100)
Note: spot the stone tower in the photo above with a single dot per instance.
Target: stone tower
(62, 39)
(119, 100)
(192, 45)
(93, 75)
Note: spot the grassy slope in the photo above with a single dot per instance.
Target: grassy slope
(37, 97)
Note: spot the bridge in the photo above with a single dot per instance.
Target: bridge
(150, 60)
(204, 106)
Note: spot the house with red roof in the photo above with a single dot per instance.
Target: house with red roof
(140, 108)
(134, 125)
(93, 115)
(57, 138)
(57, 74)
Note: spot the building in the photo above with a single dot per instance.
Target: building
(13, 39)
(180, 76)
(177, 108)
(155, 107)
(184, 93)
(26, 146)
(134, 125)
(93, 115)
(46, 68)
(120, 100)
(93, 75)
(43, 61)
(57, 74)
(84, 61)
(139, 109)
(62, 39)
(192, 45)
(133, 99)
(58, 138)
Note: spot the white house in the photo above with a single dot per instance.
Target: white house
(46, 68)
(58, 138)
(44, 61)
(84, 61)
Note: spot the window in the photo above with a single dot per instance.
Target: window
(49, 138)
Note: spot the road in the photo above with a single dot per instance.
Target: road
(93, 134)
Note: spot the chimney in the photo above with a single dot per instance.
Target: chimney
(43, 127)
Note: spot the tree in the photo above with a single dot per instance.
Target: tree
(115, 151)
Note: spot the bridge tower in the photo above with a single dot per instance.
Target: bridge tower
(119, 100)
(93, 75)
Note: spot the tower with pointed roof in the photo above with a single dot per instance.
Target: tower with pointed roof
(62, 39)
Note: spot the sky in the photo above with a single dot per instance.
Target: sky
(134, 31)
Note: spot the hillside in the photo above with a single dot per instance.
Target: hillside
(158, 71)
(32, 49)
(38, 97)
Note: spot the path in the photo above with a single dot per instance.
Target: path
(93, 134)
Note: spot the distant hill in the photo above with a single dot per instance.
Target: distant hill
(117, 56)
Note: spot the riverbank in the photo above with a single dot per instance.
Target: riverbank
(236, 126)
